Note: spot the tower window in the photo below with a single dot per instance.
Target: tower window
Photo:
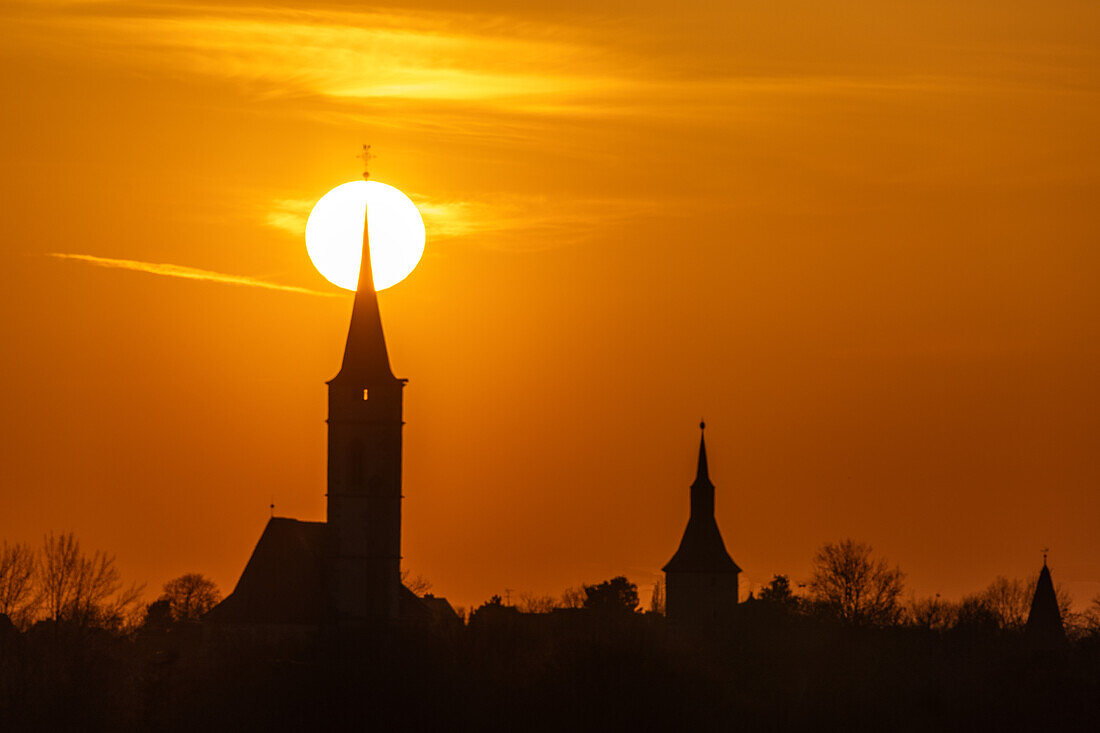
(365, 391)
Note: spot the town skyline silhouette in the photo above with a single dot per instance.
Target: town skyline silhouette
(706, 366)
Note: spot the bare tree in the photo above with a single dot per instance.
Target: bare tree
(57, 571)
(190, 596)
(1009, 601)
(529, 603)
(573, 598)
(1092, 616)
(930, 613)
(81, 589)
(855, 586)
(18, 599)
(418, 584)
(657, 600)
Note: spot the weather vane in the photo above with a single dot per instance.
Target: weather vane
(366, 157)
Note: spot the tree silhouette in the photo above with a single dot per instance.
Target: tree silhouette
(494, 600)
(849, 582)
(158, 616)
(81, 589)
(1009, 601)
(190, 596)
(417, 584)
(1092, 616)
(657, 600)
(529, 603)
(974, 614)
(493, 610)
(573, 597)
(778, 591)
(18, 597)
(615, 596)
(930, 613)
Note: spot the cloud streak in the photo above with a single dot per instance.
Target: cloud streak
(497, 78)
(189, 273)
(369, 55)
(543, 223)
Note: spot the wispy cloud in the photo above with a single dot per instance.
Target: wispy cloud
(444, 71)
(189, 273)
(542, 223)
(488, 77)
(290, 215)
(364, 55)
(439, 60)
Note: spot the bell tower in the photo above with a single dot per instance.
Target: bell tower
(701, 578)
(364, 466)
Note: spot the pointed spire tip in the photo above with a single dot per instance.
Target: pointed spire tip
(702, 476)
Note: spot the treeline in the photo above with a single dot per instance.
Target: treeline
(846, 649)
(61, 584)
(850, 585)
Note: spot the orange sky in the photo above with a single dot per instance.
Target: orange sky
(860, 239)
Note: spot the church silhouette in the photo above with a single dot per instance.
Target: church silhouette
(345, 571)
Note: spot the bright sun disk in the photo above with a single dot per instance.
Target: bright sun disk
(334, 234)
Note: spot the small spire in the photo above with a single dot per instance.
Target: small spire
(702, 476)
(701, 548)
(1044, 620)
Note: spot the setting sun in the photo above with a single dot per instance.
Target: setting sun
(334, 233)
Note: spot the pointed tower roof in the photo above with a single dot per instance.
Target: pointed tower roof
(701, 548)
(365, 355)
(1044, 622)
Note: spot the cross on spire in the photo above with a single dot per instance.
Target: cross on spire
(366, 156)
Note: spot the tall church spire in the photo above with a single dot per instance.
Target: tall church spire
(365, 355)
(364, 465)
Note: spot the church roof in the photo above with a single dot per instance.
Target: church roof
(283, 582)
(701, 550)
(441, 609)
(1044, 621)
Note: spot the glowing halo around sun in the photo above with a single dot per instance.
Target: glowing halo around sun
(334, 234)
